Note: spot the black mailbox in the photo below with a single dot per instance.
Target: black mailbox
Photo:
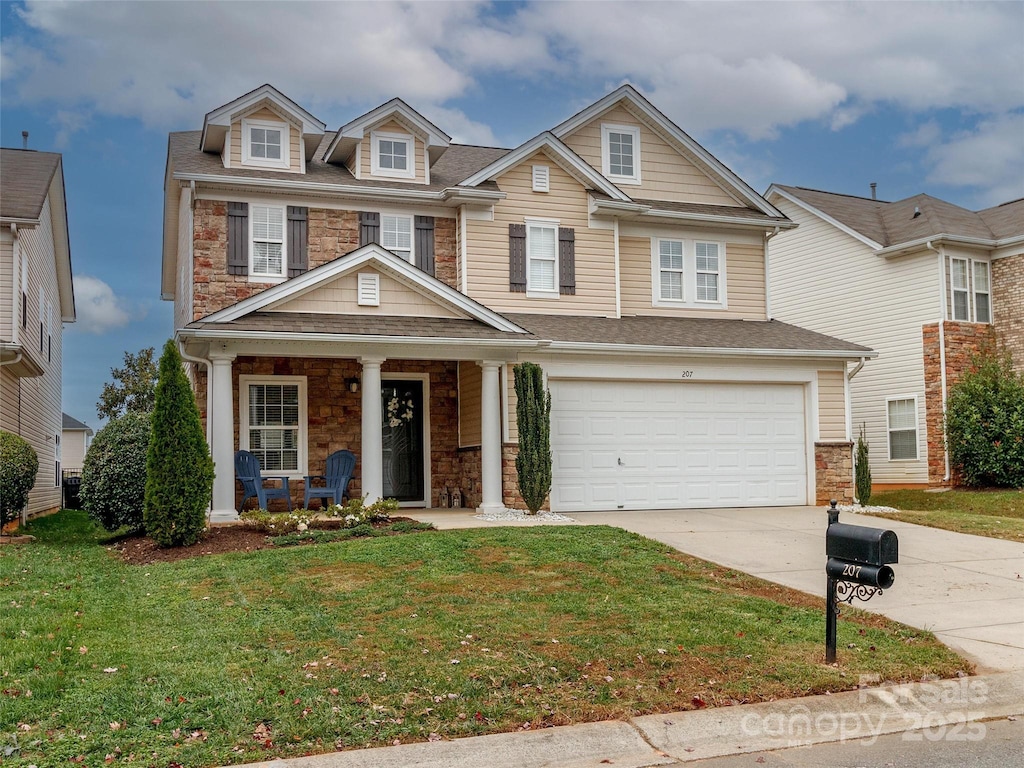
(880, 576)
(860, 544)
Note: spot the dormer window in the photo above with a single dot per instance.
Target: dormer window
(620, 153)
(265, 143)
(391, 154)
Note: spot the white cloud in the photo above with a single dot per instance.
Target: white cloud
(924, 135)
(989, 158)
(97, 308)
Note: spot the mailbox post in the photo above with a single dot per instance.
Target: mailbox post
(857, 568)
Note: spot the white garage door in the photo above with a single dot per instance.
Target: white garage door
(664, 445)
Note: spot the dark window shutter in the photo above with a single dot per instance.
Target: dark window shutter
(567, 261)
(298, 239)
(517, 258)
(369, 228)
(238, 238)
(425, 244)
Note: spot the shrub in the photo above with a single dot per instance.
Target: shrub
(278, 522)
(863, 470)
(114, 472)
(355, 512)
(352, 515)
(179, 470)
(533, 419)
(18, 468)
(985, 424)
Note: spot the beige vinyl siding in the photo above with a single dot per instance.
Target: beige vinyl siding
(831, 405)
(392, 126)
(470, 383)
(9, 298)
(339, 297)
(183, 291)
(72, 449)
(664, 173)
(31, 406)
(567, 203)
(294, 139)
(827, 281)
(511, 403)
(744, 281)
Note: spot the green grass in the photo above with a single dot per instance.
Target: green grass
(999, 514)
(253, 656)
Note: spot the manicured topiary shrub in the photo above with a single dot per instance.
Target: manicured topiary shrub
(533, 419)
(985, 424)
(179, 470)
(18, 468)
(114, 472)
(862, 471)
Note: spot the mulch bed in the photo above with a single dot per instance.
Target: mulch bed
(142, 550)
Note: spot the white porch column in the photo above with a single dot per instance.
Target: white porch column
(372, 441)
(490, 439)
(221, 413)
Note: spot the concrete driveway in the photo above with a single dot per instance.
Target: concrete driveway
(968, 590)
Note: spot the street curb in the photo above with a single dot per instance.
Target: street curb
(945, 708)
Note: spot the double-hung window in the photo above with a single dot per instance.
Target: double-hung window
(396, 235)
(902, 419)
(670, 258)
(707, 271)
(267, 255)
(982, 298)
(265, 143)
(392, 154)
(542, 258)
(970, 290)
(961, 294)
(273, 422)
(620, 153)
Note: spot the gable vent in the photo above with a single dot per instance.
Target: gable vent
(368, 289)
(541, 178)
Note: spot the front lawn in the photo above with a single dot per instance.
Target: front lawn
(252, 656)
(999, 514)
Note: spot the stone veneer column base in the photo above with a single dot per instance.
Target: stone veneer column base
(833, 476)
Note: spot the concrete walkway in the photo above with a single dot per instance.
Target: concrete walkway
(968, 590)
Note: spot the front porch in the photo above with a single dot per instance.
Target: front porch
(422, 430)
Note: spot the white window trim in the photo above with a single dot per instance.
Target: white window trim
(244, 381)
(412, 233)
(410, 155)
(971, 290)
(953, 290)
(917, 428)
(606, 129)
(248, 159)
(689, 300)
(265, 277)
(975, 291)
(531, 291)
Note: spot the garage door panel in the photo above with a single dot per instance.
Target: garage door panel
(631, 444)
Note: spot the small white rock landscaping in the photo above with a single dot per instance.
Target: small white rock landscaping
(864, 510)
(520, 516)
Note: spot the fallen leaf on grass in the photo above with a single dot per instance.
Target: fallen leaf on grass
(698, 702)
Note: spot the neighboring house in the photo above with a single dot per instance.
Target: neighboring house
(74, 442)
(36, 297)
(371, 288)
(924, 283)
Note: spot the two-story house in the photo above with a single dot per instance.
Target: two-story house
(923, 282)
(371, 288)
(36, 297)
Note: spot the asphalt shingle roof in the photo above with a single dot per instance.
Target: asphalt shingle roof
(25, 177)
(71, 423)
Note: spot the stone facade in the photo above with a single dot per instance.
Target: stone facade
(1008, 306)
(331, 233)
(962, 341)
(833, 477)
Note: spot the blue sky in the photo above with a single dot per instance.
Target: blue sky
(917, 96)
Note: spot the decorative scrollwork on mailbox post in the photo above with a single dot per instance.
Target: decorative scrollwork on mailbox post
(857, 568)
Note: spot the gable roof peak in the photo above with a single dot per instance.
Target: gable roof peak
(436, 140)
(217, 121)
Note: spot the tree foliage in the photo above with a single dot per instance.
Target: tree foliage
(179, 470)
(985, 424)
(533, 419)
(114, 472)
(19, 466)
(862, 471)
(133, 387)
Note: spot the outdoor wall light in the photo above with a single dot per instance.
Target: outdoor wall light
(352, 384)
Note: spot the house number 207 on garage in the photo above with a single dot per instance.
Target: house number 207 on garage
(686, 375)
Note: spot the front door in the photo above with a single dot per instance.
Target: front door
(402, 407)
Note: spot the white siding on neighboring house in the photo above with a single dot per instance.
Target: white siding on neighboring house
(8, 298)
(183, 293)
(827, 281)
(72, 448)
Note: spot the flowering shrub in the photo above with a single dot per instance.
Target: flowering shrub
(278, 522)
(353, 514)
(356, 513)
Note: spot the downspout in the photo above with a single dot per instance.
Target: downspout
(206, 364)
(943, 308)
(768, 278)
(15, 361)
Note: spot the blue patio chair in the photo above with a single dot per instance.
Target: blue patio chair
(340, 466)
(247, 469)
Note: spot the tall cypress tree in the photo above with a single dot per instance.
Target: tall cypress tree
(862, 471)
(533, 419)
(179, 469)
